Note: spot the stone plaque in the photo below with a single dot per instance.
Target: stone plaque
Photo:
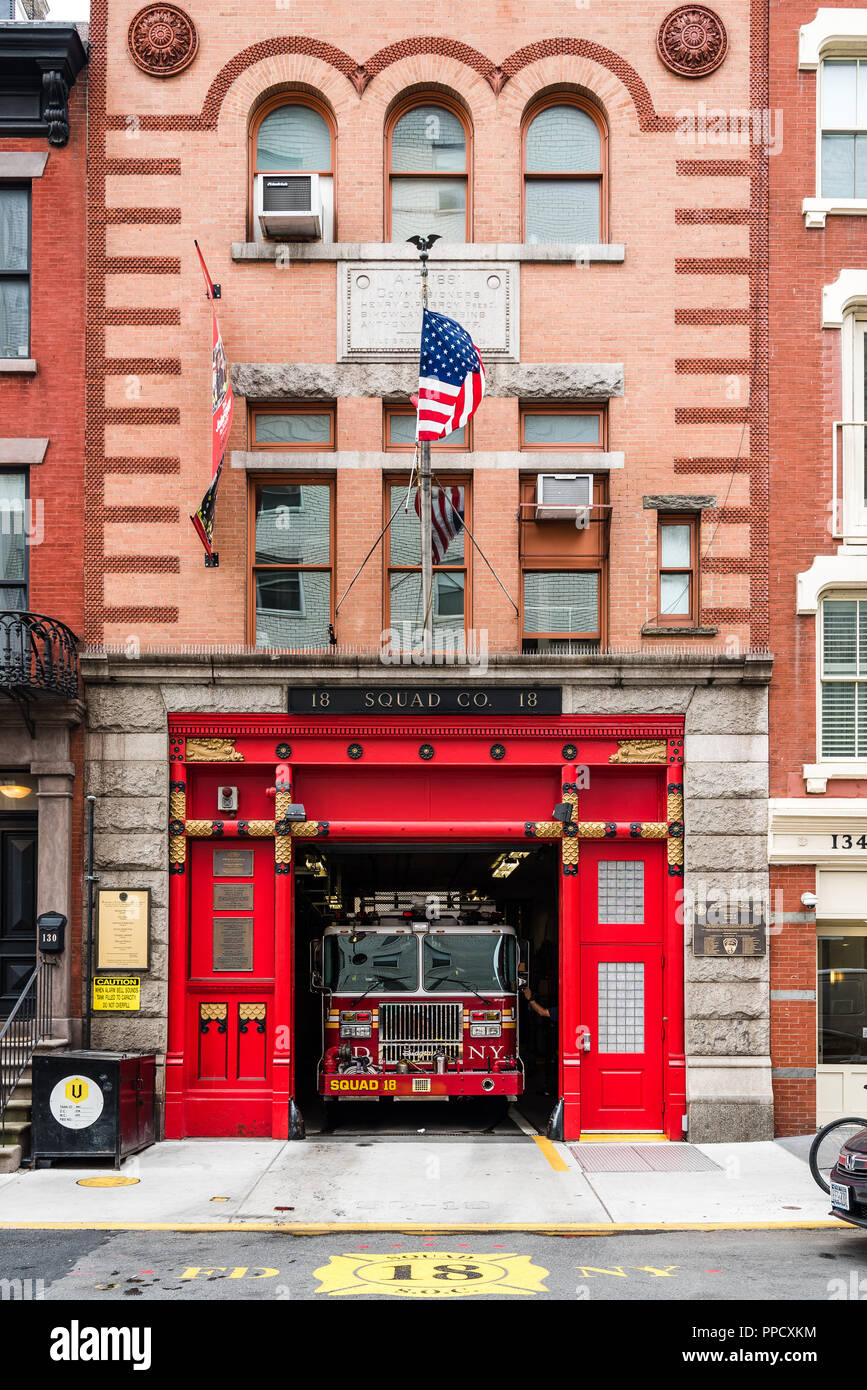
(739, 931)
(233, 863)
(233, 943)
(426, 699)
(233, 897)
(379, 308)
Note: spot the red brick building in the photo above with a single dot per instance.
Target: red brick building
(43, 146)
(604, 240)
(818, 565)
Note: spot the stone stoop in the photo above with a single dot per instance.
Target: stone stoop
(19, 1112)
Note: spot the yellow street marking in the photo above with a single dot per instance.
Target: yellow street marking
(623, 1139)
(324, 1228)
(430, 1274)
(113, 1181)
(557, 1163)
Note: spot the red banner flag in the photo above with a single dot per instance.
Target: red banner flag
(222, 408)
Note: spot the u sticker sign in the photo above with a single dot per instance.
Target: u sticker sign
(76, 1102)
(430, 1274)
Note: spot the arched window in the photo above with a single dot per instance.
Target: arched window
(564, 173)
(294, 136)
(428, 168)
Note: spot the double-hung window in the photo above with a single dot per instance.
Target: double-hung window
(843, 733)
(449, 509)
(843, 115)
(428, 175)
(13, 540)
(293, 557)
(14, 271)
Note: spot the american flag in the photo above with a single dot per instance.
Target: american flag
(451, 377)
(446, 518)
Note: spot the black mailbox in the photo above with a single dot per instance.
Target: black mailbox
(50, 932)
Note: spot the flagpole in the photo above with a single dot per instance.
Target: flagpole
(424, 243)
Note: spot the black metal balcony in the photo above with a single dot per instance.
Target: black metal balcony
(38, 658)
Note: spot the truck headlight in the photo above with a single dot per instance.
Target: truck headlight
(485, 1030)
(355, 1030)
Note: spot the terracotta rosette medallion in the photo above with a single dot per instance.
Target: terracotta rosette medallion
(162, 40)
(692, 41)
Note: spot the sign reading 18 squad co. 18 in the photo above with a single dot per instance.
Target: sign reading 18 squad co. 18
(425, 699)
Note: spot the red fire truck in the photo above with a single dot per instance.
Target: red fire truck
(418, 1005)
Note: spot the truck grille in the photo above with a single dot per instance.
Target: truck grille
(419, 1031)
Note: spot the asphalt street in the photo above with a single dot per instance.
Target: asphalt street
(766, 1266)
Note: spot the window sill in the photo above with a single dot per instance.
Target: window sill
(815, 210)
(651, 630)
(18, 366)
(817, 775)
(563, 252)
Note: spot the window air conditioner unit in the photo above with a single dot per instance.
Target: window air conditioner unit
(289, 206)
(563, 496)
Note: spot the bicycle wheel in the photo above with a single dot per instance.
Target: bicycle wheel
(825, 1148)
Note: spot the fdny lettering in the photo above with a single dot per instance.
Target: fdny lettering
(351, 1083)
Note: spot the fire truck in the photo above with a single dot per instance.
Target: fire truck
(418, 1005)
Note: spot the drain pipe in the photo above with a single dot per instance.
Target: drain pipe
(90, 879)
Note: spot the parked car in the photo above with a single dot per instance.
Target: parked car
(848, 1181)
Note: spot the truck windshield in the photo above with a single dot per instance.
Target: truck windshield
(373, 962)
(478, 962)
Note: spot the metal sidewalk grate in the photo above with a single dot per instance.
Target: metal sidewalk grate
(642, 1158)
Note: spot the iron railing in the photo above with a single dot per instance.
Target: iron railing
(38, 657)
(29, 1022)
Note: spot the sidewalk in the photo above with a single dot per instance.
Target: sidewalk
(357, 1183)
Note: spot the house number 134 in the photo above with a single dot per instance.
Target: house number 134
(847, 842)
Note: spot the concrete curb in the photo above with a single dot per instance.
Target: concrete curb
(322, 1228)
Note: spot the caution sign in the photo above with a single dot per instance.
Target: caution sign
(431, 1274)
(76, 1102)
(120, 992)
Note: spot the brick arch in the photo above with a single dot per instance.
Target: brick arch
(648, 119)
(360, 75)
(284, 73)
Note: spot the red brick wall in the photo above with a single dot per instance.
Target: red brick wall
(51, 403)
(793, 1021)
(682, 313)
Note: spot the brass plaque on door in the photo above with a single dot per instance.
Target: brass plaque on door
(233, 897)
(233, 863)
(233, 944)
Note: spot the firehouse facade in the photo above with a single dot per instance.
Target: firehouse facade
(587, 751)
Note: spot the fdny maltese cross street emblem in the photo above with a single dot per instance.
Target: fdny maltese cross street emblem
(431, 1274)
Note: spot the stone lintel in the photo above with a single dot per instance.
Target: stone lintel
(678, 502)
(396, 381)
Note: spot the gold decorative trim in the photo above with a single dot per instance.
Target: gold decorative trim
(283, 849)
(571, 849)
(591, 829)
(675, 805)
(213, 750)
(638, 750)
(675, 851)
(654, 830)
(199, 829)
(547, 830)
(177, 805)
(253, 1013)
(213, 1013)
(177, 849)
(282, 802)
(306, 827)
(260, 829)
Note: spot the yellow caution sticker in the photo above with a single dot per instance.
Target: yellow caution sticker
(431, 1274)
(112, 1180)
